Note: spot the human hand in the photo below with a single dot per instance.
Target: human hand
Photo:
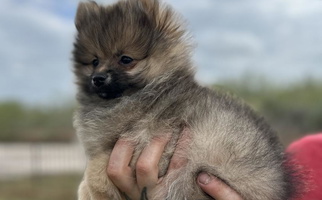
(216, 188)
(146, 172)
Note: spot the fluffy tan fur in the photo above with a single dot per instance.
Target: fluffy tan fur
(157, 94)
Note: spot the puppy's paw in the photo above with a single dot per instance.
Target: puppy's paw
(99, 186)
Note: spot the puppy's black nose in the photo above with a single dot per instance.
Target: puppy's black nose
(98, 80)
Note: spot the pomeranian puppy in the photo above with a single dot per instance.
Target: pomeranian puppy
(135, 78)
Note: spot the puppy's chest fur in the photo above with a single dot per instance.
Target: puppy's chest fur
(160, 108)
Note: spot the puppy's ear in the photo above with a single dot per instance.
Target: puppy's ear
(162, 16)
(86, 12)
(149, 6)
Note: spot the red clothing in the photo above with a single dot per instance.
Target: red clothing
(307, 151)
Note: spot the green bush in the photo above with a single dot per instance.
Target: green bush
(293, 110)
(23, 123)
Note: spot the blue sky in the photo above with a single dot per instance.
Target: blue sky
(279, 40)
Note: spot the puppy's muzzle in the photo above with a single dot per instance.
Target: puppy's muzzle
(108, 85)
(99, 80)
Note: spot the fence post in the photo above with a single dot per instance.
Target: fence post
(35, 160)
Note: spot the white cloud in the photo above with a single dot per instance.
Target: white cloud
(261, 37)
(35, 53)
(303, 7)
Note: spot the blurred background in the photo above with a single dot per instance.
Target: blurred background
(269, 52)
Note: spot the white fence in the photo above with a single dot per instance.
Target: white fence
(33, 159)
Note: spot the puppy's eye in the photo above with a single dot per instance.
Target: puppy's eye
(125, 60)
(95, 62)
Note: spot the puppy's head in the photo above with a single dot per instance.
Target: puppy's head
(122, 47)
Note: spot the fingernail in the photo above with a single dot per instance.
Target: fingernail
(204, 178)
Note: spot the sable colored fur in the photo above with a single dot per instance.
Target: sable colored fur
(136, 80)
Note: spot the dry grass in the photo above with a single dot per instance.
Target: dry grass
(62, 187)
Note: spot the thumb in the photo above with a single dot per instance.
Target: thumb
(216, 188)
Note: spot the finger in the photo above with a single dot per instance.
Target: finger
(216, 188)
(147, 165)
(179, 159)
(119, 171)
